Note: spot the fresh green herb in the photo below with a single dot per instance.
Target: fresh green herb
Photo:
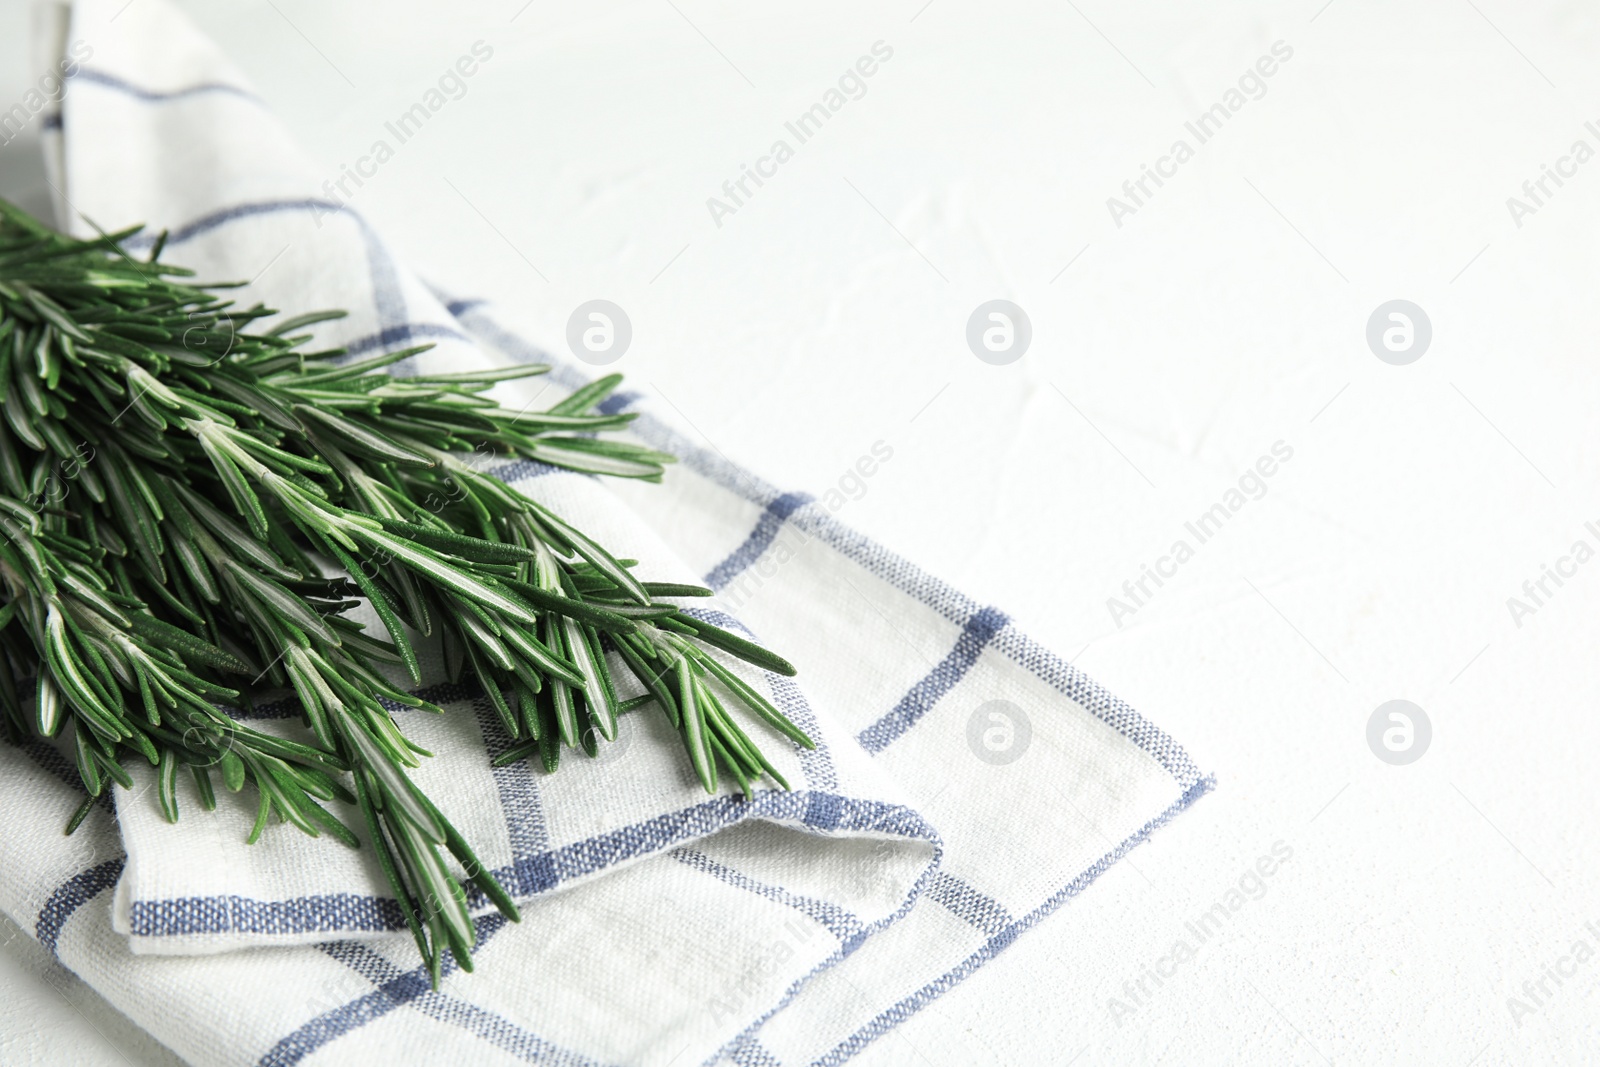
(189, 507)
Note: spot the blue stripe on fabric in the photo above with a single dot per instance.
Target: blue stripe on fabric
(71, 895)
(222, 216)
(111, 81)
(51, 121)
(968, 903)
(411, 988)
(616, 402)
(975, 636)
(396, 988)
(322, 913)
(53, 762)
(395, 992)
(499, 1031)
(816, 763)
(767, 528)
(751, 1053)
(525, 469)
(364, 961)
(840, 922)
(531, 875)
(325, 1028)
(998, 942)
(445, 1007)
(518, 788)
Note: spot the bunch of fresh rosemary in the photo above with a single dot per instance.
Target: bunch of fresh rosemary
(188, 508)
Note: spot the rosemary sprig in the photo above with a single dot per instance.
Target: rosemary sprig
(189, 507)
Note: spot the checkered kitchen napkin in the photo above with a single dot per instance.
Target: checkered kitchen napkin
(660, 925)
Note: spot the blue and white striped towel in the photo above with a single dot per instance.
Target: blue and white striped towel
(967, 781)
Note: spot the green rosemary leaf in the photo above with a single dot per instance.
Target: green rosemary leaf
(475, 869)
(475, 549)
(549, 733)
(202, 783)
(88, 761)
(504, 374)
(694, 727)
(719, 746)
(263, 811)
(497, 698)
(339, 830)
(520, 751)
(232, 770)
(285, 604)
(566, 712)
(587, 397)
(51, 312)
(542, 657)
(572, 454)
(528, 709)
(80, 814)
(166, 778)
(191, 647)
(656, 589)
(66, 673)
(599, 616)
(310, 318)
(435, 567)
(597, 696)
(349, 370)
(757, 703)
(382, 606)
(389, 862)
(116, 771)
(244, 498)
(360, 440)
(651, 678)
(231, 534)
(731, 643)
(561, 703)
(395, 785)
(283, 748)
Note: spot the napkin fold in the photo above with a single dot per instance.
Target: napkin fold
(966, 781)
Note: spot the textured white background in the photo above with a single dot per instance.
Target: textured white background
(1168, 354)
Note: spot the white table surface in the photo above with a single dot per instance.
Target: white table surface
(1227, 314)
